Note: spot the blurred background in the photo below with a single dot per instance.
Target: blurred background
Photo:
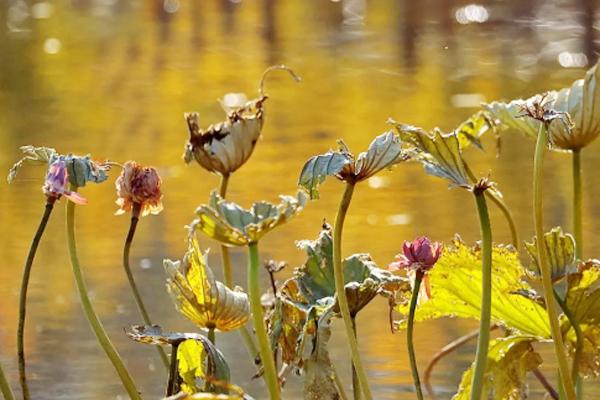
(113, 78)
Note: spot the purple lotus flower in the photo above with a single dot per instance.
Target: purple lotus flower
(56, 183)
(419, 255)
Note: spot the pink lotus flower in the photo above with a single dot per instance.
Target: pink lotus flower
(420, 255)
(138, 188)
(56, 183)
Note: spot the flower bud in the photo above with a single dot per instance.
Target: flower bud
(138, 187)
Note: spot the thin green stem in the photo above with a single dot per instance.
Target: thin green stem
(409, 335)
(5, 387)
(173, 373)
(559, 349)
(577, 204)
(23, 296)
(499, 202)
(341, 292)
(228, 277)
(483, 339)
(266, 354)
(211, 335)
(88, 308)
(338, 384)
(355, 382)
(578, 337)
(135, 212)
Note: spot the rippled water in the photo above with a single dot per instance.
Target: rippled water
(114, 78)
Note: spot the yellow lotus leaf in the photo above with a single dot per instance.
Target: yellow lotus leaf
(197, 295)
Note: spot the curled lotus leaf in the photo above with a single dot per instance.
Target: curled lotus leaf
(560, 248)
(224, 147)
(581, 101)
(153, 334)
(202, 299)
(455, 284)
(583, 300)
(319, 382)
(233, 225)
(31, 155)
(439, 153)
(473, 128)
(383, 152)
(82, 169)
(200, 359)
(510, 359)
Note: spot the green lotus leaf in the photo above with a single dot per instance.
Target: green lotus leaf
(383, 152)
(32, 155)
(580, 101)
(233, 225)
(202, 299)
(509, 361)
(560, 248)
(310, 293)
(319, 382)
(317, 168)
(471, 130)
(455, 283)
(439, 153)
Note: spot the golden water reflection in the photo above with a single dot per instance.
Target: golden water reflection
(114, 79)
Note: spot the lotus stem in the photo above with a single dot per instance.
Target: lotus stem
(578, 345)
(23, 296)
(211, 335)
(559, 348)
(577, 204)
(135, 213)
(483, 340)
(338, 384)
(5, 387)
(355, 382)
(499, 202)
(266, 354)
(409, 334)
(88, 308)
(341, 292)
(544, 382)
(228, 276)
(172, 386)
(261, 87)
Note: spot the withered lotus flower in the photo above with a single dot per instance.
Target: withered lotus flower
(202, 299)
(233, 225)
(138, 189)
(224, 147)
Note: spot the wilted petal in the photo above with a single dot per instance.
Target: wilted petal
(139, 186)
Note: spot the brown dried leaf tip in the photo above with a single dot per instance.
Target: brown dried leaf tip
(482, 185)
(540, 108)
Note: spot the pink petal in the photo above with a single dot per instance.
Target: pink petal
(75, 197)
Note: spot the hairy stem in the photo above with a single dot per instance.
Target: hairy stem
(88, 308)
(228, 278)
(409, 335)
(5, 387)
(483, 340)
(23, 296)
(266, 354)
(578, 337)
(341, 292)
(559, 349)
(135, 212)
(577, 204)
(172, 386)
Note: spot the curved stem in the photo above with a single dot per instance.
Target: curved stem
(23, 296)
(88, 308)
(5, 387)
(338, 384)
(544, 382)
(228, 277)
(499, 202)
(559, 348)
(341, 292)
(173, 373)
(266, 354)
(578, 336)
(483, 340)
(409, 335)
(135, 212)
(355, 382)
(577, 207)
